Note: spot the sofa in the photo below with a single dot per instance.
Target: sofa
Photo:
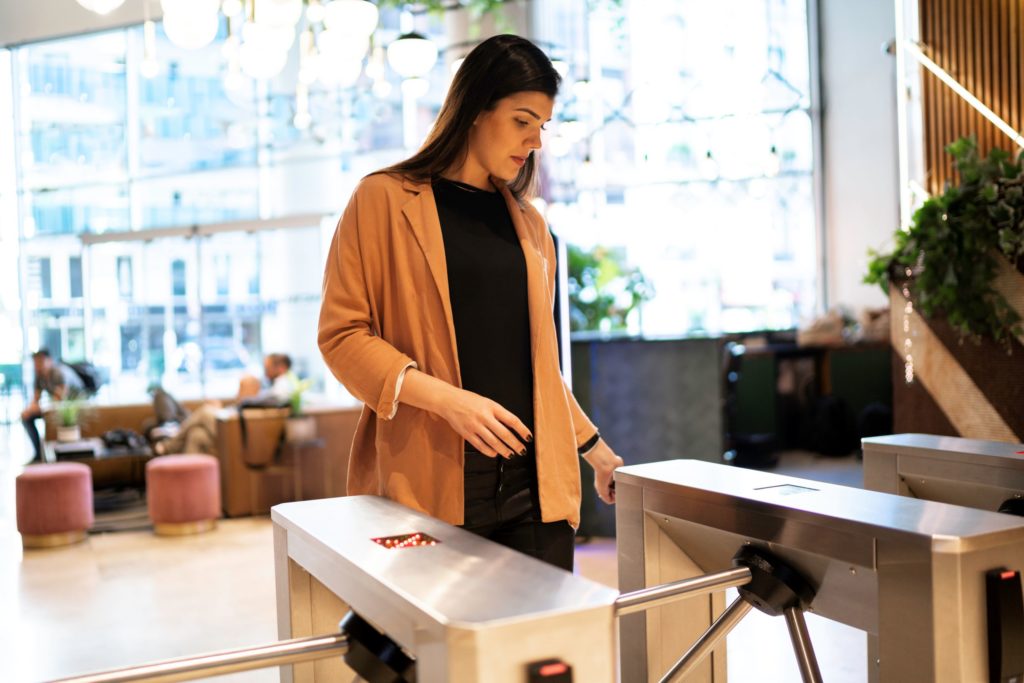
(257, 474)
(97, 420)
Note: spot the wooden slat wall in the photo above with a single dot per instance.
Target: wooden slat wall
(979, 43)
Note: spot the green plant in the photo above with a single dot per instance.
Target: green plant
(947, 258)
(603, 290)
(70, 412)
(295, 399)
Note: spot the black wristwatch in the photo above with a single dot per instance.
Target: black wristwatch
(590, 443)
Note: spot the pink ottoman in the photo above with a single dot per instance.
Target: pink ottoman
(54, 504)
(183, 493)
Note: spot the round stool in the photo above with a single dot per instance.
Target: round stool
(54, 504)
(183, 493)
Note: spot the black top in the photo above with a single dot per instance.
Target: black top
(487, 287)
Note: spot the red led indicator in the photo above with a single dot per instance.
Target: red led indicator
(1020, 452)
(555, 669)
(414, 540)
(1008, 575)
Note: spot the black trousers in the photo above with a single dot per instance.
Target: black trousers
(502, 505)
(33, 434)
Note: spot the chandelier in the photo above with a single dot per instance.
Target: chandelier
(333, 38)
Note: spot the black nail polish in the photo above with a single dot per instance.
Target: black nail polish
(529, 438)
(522, 453)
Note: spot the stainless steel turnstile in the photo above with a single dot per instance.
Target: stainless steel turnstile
(948, 469)
(468, 609)
(987, 475)
(910, 571)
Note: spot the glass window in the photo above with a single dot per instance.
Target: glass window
(683, 177)
(178, 278)
(75, 276)
(222, 272)
(125, 283)
(143, 316)
(73, 134)
(194, 334)
(39, 282)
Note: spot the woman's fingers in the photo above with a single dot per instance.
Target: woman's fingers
(479, 444)
(508, 438)
(487, 426)
(512, 422)
(603, 486)
(496, 445)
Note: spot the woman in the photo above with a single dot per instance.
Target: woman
(438, 314)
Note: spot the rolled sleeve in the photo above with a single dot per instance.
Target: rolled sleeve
(388, 405)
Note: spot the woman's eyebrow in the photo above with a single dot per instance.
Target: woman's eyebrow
(530, 112)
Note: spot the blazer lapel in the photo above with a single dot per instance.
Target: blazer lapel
(421, 212)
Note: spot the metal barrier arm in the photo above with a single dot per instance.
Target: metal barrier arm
(647, 598)
(223, 662)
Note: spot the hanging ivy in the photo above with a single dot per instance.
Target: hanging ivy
(948, 256)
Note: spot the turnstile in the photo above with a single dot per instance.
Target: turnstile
(912, 572)
(988, 475)
(468, 609)
(420, 600)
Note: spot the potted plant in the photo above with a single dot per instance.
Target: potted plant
(68, 414)
(603, 289)
(299, 427)
(948, 259)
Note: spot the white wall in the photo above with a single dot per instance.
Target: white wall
(861, 186)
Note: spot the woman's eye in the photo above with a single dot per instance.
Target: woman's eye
(522, 124)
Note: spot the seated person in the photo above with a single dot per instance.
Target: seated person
(198, 432)
(57, 380)
(282, 382)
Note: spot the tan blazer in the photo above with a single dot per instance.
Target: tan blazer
(386, 307)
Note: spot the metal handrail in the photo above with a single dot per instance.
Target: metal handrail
(223, 662)
(646, 598)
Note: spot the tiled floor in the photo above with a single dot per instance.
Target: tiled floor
(129, 597)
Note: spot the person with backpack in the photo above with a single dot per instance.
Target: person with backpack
(60, 382)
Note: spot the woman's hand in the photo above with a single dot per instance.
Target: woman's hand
(605, 462)
(483, 423)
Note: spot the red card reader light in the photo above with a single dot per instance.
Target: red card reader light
(417, 539)
(555, 669)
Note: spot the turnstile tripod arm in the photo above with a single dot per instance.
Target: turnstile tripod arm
(223, 662)
(732, 615)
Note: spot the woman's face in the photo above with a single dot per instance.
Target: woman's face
(503, 137)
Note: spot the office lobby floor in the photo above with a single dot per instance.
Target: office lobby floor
(130, 597)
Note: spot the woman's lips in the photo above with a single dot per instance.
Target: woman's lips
(519, 160)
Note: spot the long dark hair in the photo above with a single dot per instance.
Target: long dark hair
(494, 69)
